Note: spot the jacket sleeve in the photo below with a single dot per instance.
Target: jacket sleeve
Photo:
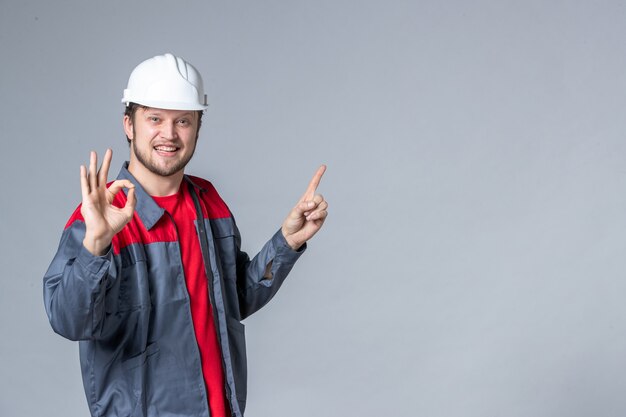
(254, 290)
(75, 285)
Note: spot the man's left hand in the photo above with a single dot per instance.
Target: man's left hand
(308, 216)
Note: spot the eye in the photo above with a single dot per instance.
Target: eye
(183, 122)
(153, 119)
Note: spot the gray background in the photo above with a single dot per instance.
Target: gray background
(473, 263)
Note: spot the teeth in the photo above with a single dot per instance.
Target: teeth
(165, 148)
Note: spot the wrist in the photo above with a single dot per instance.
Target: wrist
(294, 245)
(96, 246)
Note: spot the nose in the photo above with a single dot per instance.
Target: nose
(168, 130)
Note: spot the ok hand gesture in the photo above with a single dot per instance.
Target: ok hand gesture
(102, 219)
(308, 216)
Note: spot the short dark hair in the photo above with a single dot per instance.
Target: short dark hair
(131, 109)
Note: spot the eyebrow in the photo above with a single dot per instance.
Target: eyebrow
(159, 113)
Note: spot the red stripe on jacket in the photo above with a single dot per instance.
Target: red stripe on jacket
(135, 232)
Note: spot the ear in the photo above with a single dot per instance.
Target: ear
(128, 127)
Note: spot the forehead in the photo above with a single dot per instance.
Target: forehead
(174, 114)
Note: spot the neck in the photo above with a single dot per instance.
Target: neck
(154, 184)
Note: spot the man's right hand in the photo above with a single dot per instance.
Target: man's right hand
(102, 219)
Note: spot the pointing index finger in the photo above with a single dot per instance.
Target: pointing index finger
(315, 182)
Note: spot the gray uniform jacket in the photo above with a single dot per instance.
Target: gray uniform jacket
(130, 308)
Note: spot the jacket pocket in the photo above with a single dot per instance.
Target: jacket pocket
(134, 290)
(237, 344)
(139, 360)
(224, 236)
(138, 373)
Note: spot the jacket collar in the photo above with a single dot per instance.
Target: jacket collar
(148, 211)
(199, 188)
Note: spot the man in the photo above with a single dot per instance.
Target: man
(149, 275)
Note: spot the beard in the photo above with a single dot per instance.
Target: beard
(146, 161)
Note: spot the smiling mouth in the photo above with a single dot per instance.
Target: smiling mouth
(166, 149)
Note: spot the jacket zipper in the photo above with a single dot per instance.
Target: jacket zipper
(204, 246)
(180, 254)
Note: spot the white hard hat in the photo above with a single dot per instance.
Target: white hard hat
(166, 82)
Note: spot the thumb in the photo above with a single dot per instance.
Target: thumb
(116, 186)
(301, 208)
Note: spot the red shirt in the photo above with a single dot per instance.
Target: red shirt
(180, 206)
